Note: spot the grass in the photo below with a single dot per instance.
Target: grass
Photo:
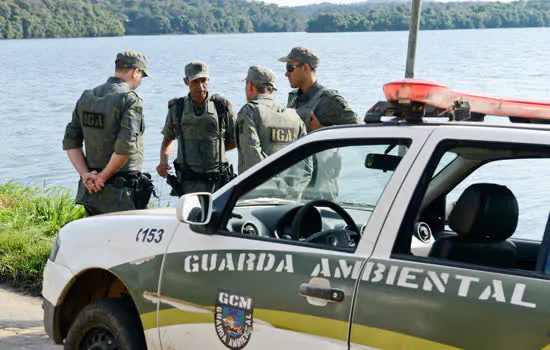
(30, 218)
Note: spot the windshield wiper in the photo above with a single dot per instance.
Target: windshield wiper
(261, 201)
(357, 204)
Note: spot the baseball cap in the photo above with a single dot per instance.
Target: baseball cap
(261, 76)
(195, 70)
(302, 54)
(132, 59)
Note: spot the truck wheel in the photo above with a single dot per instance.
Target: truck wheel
(107, 324)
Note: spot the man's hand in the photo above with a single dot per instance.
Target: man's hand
(89, 180)
(162, 169)
(100, 181)
(314, 122)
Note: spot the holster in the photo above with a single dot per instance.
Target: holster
(143, 189)
(227, 174)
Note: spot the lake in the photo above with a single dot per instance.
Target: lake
(42, 80)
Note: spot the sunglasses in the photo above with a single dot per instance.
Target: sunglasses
(290, 68)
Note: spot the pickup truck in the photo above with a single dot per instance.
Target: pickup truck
(431, 238)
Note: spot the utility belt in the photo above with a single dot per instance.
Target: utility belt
(212, 176)
(139, 182)
(218, 177)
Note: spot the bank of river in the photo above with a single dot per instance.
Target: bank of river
(30, 218)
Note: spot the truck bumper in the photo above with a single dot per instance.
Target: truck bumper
(56, 278)
(51, 321)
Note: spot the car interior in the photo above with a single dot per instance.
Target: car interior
(471, 207)
(481, 227)
(315, 212)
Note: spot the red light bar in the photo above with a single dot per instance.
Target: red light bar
(440, 96)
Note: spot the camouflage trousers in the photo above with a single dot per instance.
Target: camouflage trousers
(110, 199)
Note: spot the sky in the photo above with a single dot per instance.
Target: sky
(309, 2)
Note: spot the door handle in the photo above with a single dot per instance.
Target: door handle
(321, 292)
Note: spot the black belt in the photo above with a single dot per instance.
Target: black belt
(208, 176)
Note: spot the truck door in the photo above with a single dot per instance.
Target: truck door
(279, 272)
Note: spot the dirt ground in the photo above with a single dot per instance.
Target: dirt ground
(21, 326)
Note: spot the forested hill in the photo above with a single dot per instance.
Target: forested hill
(458, 15)
(52, 19)
(80, 18)
(314, 10)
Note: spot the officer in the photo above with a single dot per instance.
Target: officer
(318, 106)
(204, 125)
(264, 126)
(109, 121)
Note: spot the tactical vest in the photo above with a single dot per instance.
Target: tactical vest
(199, 139)
(279, 127)
(327, 164)
(304, 110)
(100, 112)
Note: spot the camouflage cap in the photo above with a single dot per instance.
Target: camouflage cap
(195, 70)
(132, 59)
(302, 54)
(261, 77)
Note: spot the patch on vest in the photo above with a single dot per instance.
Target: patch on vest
(233, 319)
(92, 120)
(285, 135)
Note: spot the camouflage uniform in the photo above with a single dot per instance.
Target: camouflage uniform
(108, 119)
(330, 108)
(264, 127)
(200, 139)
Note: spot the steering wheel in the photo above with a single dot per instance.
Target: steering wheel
(339, 237)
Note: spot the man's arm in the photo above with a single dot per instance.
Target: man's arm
(77, 158)
(250, 150)
(116, 162)
(126, 142)
(72, 143)
(165, 151)
(229, 140)
(333, 109)
(169, 131)
(229, 118)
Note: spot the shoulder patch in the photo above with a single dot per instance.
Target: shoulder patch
(221, 100)
(172, 102)
(331, 92)
(134, 93)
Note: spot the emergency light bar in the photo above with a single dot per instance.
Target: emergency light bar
(413, 99)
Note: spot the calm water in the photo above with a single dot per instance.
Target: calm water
(42, 79)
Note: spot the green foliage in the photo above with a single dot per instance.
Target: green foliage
(30, 217)
(79, 18)
(59, 18)
(382, 17)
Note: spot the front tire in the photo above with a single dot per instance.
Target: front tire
(107, 324)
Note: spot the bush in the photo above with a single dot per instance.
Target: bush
(30, 217)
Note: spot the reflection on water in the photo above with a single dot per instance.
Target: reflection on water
(43, 79)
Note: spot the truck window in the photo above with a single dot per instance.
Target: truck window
(485, 207)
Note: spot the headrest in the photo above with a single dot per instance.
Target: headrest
(485, 212)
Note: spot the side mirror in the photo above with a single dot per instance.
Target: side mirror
(195, 208)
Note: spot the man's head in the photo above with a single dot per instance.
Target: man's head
(259, 80)
(197, 78)
(301, 64)
(131, 66)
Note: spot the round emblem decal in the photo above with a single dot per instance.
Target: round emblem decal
(233, 319)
